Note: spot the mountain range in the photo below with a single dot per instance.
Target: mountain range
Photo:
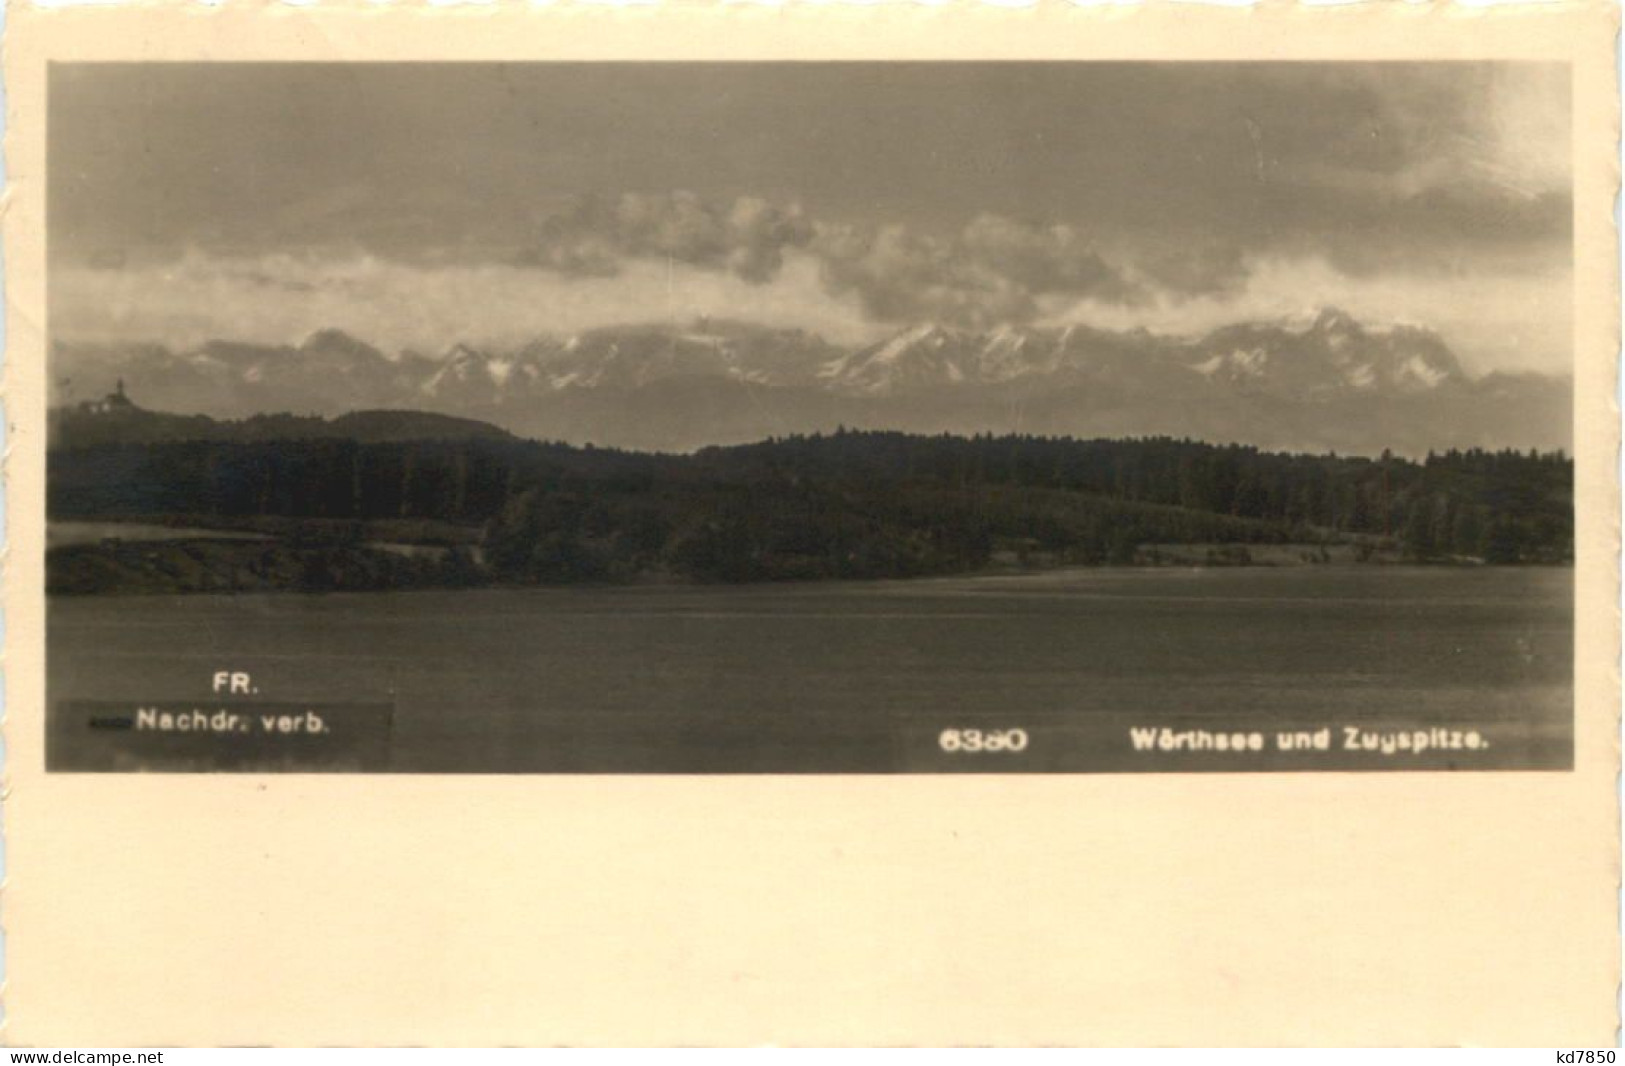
(1321, 382)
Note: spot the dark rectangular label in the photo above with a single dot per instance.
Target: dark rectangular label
(204, 735)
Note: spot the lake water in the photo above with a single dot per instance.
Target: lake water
(867, 677)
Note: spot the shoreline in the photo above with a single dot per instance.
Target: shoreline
(206, 566)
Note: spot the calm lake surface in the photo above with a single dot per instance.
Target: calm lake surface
(867, 677)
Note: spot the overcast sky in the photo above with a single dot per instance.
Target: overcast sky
(421, 204)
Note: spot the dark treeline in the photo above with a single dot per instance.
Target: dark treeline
(1504, 506)
(850, 504)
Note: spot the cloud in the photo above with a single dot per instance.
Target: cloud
(594, 236)
(1210, 270)
(993, 270)
(1043, 259)
(1420, 169)
(1382, 166)
(1501, 316)
(899, 276)
(1449, 227)
(281, 299)
(1512, 315)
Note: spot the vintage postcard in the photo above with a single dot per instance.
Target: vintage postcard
(812, 524)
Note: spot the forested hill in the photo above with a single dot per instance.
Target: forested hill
(118, 421)
(848, 504)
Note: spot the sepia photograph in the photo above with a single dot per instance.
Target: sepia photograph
(810, 417)
(811, 525)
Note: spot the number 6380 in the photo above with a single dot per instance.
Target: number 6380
(973, 741)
